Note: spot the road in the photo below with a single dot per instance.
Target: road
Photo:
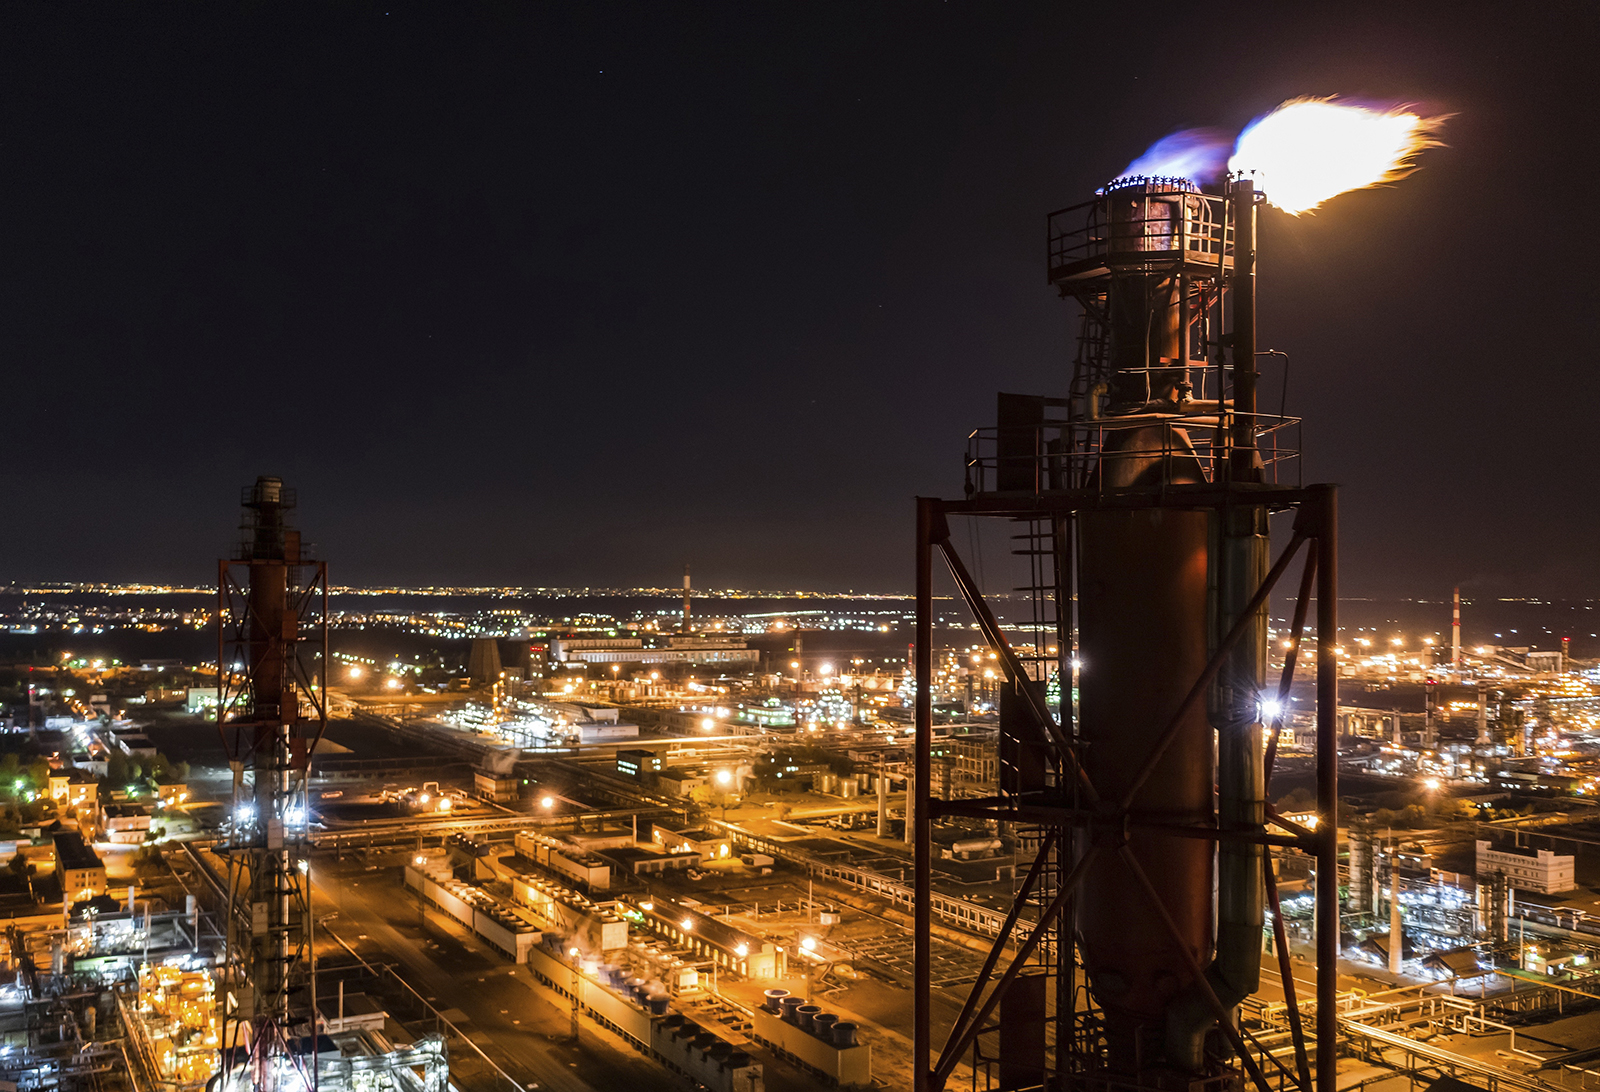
(489, 1000)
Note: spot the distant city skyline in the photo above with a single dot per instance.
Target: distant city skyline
(569, 295)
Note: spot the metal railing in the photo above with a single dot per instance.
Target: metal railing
(1093, 454)
(1150, 224)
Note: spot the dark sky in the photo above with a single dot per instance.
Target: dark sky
(572, 293)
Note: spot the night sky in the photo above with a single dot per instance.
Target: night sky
(572, 293)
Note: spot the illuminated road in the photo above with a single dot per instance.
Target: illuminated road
(474, 988)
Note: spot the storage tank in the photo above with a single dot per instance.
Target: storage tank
(975, 847)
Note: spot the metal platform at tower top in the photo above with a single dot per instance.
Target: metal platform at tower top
(1160, 446)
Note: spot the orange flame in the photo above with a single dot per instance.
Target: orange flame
(1311, 149)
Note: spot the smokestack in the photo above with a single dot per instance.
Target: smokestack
(1396, 926)
(883, 803)
(1455, 632)
(1430, 701)
(686, 599)
(1483, 716)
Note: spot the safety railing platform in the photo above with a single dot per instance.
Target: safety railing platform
(1136, 453)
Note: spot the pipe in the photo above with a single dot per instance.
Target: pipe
(1244, 463)
(1235, 970)
(1241, 568)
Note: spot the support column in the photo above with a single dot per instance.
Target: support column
(922, 1032)
(1327, 908)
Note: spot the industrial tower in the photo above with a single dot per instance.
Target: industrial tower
(272, 656)
(1143, 503)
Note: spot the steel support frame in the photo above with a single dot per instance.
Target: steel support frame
(234, 614)
(1316, 531)
(307, 604)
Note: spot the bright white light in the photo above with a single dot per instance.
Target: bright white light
(741, 950)
(304, 865)
(808, 943)
(1309, 150)
(706, 724)
(244, 813)
(1271, 709)
(548, 802)
(574, 953)
(1431, 784)
(724, 777)
(688, 925)
(419, 860)
(647, 906)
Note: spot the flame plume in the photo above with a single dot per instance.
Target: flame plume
(1310, 149)
(1197, 155)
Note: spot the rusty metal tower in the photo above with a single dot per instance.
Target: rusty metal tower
(272, 656)
(1144, 501)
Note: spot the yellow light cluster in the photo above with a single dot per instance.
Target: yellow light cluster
(179, 1009)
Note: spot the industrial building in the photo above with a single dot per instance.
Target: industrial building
(1538, 870)
(680, 649)
(82, 872)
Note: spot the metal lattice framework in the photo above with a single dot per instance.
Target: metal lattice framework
(1128, 444)
(272, 656)
(1074, 805)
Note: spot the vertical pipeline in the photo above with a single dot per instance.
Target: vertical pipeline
(1243, 455)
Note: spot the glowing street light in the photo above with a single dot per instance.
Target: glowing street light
(724, 777)
(548, 802)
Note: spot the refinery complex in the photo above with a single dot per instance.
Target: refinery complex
(1119, 795)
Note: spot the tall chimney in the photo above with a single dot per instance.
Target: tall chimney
(686, 599)
(1396, 924)
(1455, 632)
